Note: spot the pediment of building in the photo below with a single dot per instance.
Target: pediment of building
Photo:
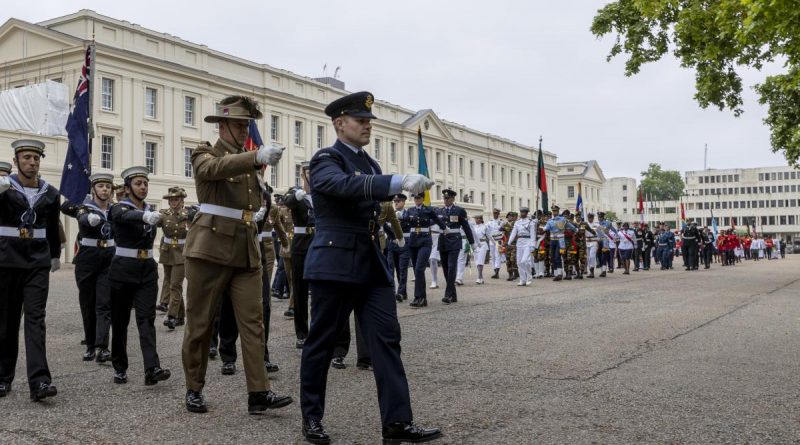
(430, 124)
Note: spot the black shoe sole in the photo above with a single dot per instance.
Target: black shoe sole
(258, 409)
(163, 376)
(197, 409)
(398, 441)
(38, 397)
(317, 441)
(339, 366)
(89, 358)
(228, 372)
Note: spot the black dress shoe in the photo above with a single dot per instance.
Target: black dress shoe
(338, 363)
(399, 432)
(180, 321)
(83, 342)
(212, 352)
(414, 302)
(300, 343)
(602, 274)
(289, 313)
(557, 278)
(89, 355)
(195, 402)
(510, 278)
(155, 375)
(42, 391)
(364, 366)
(228, 368)
(103, 355)
(446, 300)
(120, 377)
(170, 323)
(314, 432)
(399, 298)
(162, 307)
(271, 367)
(5, 388)
(264, 400)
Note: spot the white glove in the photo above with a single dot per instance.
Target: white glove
(94, 220)
(260, 214)
(55, 264)
(474, 247)
(401, 242)
(299, 194)
(416, 183)
(151, 218)
(398, 213)
(5, 183)
(269, 154)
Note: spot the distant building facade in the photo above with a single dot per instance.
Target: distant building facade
(585, 177)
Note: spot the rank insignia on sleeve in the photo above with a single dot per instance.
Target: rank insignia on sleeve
(357, 173)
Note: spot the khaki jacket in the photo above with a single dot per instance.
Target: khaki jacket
(389, 215)
(225, 176)
(174, 225)
(273, 223)
(285, 218)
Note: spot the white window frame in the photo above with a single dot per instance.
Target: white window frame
(298, 133)
(148, 159)
(150, 108)
(188, 170)
(189, 112)
(107, 152)
(107, 94)
(274, 127)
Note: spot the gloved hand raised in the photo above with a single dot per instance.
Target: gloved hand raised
(299, 194)
(269, 155)
(416, 183)
(151, 218)
(94, 219)
(259, 215)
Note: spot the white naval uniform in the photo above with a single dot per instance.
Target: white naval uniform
(494, 229)
(523, 228)
(462, 258)
(591, 245)
(480, 232)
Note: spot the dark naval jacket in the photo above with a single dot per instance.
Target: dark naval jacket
(132, 233)
(419, 220)
(18, 213)
(101, 253)
(454, 218)
(346, 189)
(302, 216)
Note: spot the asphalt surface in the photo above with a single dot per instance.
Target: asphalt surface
(655, 357)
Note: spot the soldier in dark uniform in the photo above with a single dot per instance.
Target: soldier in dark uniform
(420, 218)
(647, 245)
(398, 253)
(175, 224)
(29, 248)
(570, 257)
(92, 263)
(133, 275)
(450, 241)
(690, 236)
(510, 249)
(348, 273)
(638, 249)
(299, 202)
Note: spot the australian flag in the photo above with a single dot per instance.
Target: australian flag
(75, 177)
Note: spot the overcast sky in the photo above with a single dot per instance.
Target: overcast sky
(517, 69)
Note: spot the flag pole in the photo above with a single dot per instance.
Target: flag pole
(91, 98)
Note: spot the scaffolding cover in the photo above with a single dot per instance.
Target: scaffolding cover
(41, 109)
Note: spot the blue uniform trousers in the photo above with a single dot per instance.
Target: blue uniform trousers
(419, 259)
(555, 254)
(666, 257)
(376, 311)
(449, 260)
(398, 259)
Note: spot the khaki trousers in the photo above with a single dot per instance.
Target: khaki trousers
(207, 282)
(173, 287)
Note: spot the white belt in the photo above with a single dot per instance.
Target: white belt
(91, 242)
(553, 236)
(140, 254)
(420, 229)
(406, 235)
(211, 209)
(15, 232)
(304, 230)
(174, 241)
(448, 231)
(264, 235)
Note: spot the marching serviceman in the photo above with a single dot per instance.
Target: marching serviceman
(581, 240)
(666, 241)
(92, 263)
(421, 219)
(647, 246)
(30, 248)
(435, 256)
(133, 276)
(691, 236)
(509, 249)
(175, 225)
(300, 203)
(397, 250)
(494, 229)
(5, 168)
(540, 245)
(604, 231)
(348, 273)
(591, 243)
(483, 242)
(450, 242)
(556, 226)
(222, 252)
(521, 233)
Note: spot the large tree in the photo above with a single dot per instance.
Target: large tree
(716, 38)
(661, 185)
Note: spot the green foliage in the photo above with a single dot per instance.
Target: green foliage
(611, 215)
(661, 185)
(715, 38)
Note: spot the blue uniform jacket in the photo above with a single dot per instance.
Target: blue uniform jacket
(454, 218)
(421, 218)
(346, 189)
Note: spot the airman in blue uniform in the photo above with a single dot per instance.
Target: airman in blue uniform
(450, 241)
(556, 226)
(348, 273)
(666, 242)
(397, 251)
(420, 218)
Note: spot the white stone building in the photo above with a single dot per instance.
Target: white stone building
(152, 90)
(591, 179)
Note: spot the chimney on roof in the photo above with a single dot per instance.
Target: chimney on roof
(336, 83)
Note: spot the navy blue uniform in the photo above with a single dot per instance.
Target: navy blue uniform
(348, 273)
(454, 219)
(302, 216)
(666, 242)
(399, 257)
(419, 242)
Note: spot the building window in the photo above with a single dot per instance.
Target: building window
(107, 152)
(411, 154)
(274, 124)
(624, 187)
(483, 171)
(377, 149)
(571, 192)
(519, 179)
(624, 199)
(187, 162)
(393, 152)
(461, 166)
(449, 164)
(298, 180)
(472, 169)
(503, 201)
(150, 156)
(108, 94)
(503, 175)
(320, 136)
(570, 169)
(150, 101)
(273, 176)
(483, 198)
(298, 133)
(491, 174)
(511, 176)
(438, 161)
(188, 110)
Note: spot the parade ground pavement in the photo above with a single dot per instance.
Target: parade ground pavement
(653, 357)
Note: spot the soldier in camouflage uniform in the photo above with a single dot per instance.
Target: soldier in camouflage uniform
(570, 255)
(580, 238)
(510, 249)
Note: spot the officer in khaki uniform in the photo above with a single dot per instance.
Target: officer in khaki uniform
(222, 252)
(285, 217)
(175, 224)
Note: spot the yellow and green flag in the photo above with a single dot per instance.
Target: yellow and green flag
(423, 165)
